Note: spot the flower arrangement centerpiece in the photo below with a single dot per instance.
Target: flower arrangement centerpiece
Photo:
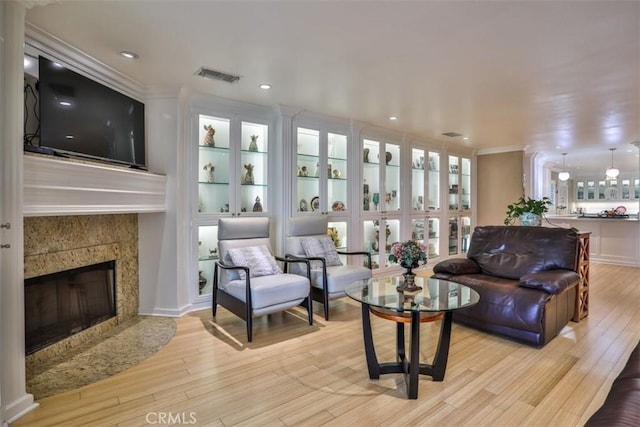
(410, 255)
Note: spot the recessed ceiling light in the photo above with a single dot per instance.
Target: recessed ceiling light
(265, 86)
(65, 103)
(393, 118)
(129, 55)
(466, 138)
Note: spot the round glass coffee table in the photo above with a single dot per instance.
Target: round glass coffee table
(437, 299)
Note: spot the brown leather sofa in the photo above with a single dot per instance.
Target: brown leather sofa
(526, 278)
(622, 405)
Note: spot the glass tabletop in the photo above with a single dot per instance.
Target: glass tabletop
(435, 295)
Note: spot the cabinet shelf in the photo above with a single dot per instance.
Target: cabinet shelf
(210, 148)
(376, 164)
(258, 153)
(213, 183)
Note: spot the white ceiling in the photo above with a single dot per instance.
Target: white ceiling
(546, 76)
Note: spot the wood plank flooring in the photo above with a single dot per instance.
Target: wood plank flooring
(294, 374)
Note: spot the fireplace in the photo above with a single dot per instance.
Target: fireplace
(61, 304)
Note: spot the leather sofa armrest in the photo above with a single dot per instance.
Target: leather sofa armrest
(457, 266)
(550, 281)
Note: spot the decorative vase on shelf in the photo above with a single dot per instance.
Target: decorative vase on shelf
(202, 281)
(253, 146)
(209, 136)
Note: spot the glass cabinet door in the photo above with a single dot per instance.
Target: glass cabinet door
(337, 149)
(371, 176)
(459, 183)
(254, 177)
(214, 163)
(232, 166)
(465, 187)
(465, 233)
(591, 190)
(379, 235)
(207, 256)
(309, 172)
(453, 236)
(425, 187)
(427, 232)
(580, 190)
(636, 188)
(602, 187)
(626, 184)
(418, 180)
(392, 192)
(434, 181)
(454, 183)
(434, 238)
(322, 171)
(381, 176)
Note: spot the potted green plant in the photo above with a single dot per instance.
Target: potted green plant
(529, 211)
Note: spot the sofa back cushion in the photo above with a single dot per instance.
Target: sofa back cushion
(514, 251)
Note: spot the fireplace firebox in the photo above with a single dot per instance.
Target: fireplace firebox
(61, 304)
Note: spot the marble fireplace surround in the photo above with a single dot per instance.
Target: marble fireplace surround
(58, 243)
(79, 213)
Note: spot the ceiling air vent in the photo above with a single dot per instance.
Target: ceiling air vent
(452, 134)
(216, 75)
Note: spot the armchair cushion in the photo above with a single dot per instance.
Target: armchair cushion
(257, 258)
(551, 281)
(323, 247)
(457, 266)
(269, 293)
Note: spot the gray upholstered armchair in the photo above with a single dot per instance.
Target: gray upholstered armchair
(308, 240)
(247, 280)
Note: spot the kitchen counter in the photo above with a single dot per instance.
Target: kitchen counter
(613, 240)
(632, 217)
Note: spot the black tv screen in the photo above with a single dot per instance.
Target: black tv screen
(81, 116)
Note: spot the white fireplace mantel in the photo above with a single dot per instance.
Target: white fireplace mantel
(63, 187)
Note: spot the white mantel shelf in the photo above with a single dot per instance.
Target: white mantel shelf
(65, 187)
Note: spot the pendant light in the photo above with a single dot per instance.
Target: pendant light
(612, 172)
(564, 174)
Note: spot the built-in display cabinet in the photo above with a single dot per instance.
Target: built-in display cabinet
(426, 199)
(382, 199)
(619, 189)
(375, 188)
(322, 172)
(233, 165)
(231, 168)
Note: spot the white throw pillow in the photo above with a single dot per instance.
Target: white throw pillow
(257, 258)
(321, 247)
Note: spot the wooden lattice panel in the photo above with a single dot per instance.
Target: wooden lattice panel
(582, 267)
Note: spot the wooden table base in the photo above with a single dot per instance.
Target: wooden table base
(410, 367)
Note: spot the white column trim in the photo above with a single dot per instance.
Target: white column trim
(15, 401)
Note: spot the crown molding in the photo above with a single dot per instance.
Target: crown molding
(40, 42)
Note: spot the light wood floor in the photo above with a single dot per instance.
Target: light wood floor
(294, 374)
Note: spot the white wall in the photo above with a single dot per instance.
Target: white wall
(162, 290)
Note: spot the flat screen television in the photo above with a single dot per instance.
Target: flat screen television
(83, 117)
